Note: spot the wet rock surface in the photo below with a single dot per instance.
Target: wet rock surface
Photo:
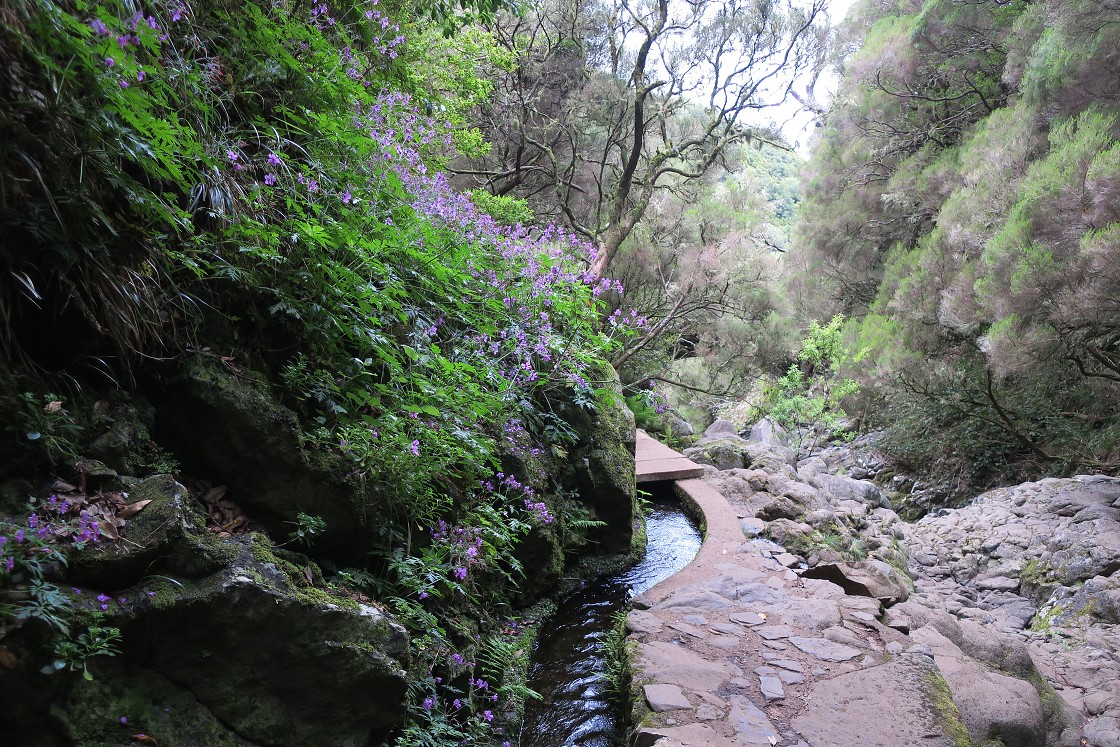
(815, 616)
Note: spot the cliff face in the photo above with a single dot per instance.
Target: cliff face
(961, 209)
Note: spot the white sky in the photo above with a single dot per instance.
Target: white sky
(797, 126)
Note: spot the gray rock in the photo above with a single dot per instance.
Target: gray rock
(768, 432)
(665, 697)
(697, 600)
(640, 621)
(752, 727)
(850, 710)
(791, 678)
(989, 702)
(687, 629)
(773, 632)
(841, 488)
(747, 618)
(1103, 732)
(720, 429)
(865, 578)
(770, 684)
(824, 649)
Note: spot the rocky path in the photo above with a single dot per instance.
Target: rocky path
(759, 644)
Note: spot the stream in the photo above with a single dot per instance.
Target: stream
(575, 710)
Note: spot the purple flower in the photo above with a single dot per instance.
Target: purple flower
(124, 84)
(122, 41)
(457, 703)
(140, 76)
(415, 448)
(460, 573)
(347, 198)
(19, 536)
(457, 658)
(9, 564)
(429, 703)
(488, 716)
(177, 14)
(99, 27)
(124, 719)
(270, 179)
(232, 155)
(274, 159)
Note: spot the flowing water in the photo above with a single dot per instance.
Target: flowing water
(575, 710)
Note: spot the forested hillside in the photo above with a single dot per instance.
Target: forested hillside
(962, 208)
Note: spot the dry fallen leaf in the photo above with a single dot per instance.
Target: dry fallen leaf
(144, 738)
(307, 574)
(133, 508)
(53, 406)
(7, 658)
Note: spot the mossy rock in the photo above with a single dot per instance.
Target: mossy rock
(167, 536)
(231, 429)
(600, 466)
(274, 658)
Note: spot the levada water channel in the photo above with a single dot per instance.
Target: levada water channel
(576, 709)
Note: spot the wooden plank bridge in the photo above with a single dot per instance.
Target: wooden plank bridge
(656, 462)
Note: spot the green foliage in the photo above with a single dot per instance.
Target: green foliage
(806, 402)
(306, 529)
(959, 195)
(47, 424)
(74, 652)
(265, 178)
(617, 653)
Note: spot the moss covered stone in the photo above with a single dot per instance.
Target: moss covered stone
(276, 659)
(232, 429)
(601, 463)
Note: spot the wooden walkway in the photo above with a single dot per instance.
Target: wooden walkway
(655, 461)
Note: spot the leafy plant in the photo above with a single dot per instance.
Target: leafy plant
(74, 652)
(306, 529)
(48, 423)
(805, 403)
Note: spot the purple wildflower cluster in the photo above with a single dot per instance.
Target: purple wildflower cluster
(538, 511)
(39, 536)
(472, 708)
(537, 267)
(657, 398)
(464, 546)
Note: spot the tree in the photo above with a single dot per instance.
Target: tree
(610, 102)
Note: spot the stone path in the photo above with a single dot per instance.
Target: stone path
(656, 462)
(745, 648)
(737, 650)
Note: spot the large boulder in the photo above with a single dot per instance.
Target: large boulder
(992, 705)
(230, 428)
(276, 660)
(768, 432)
(869, 578)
